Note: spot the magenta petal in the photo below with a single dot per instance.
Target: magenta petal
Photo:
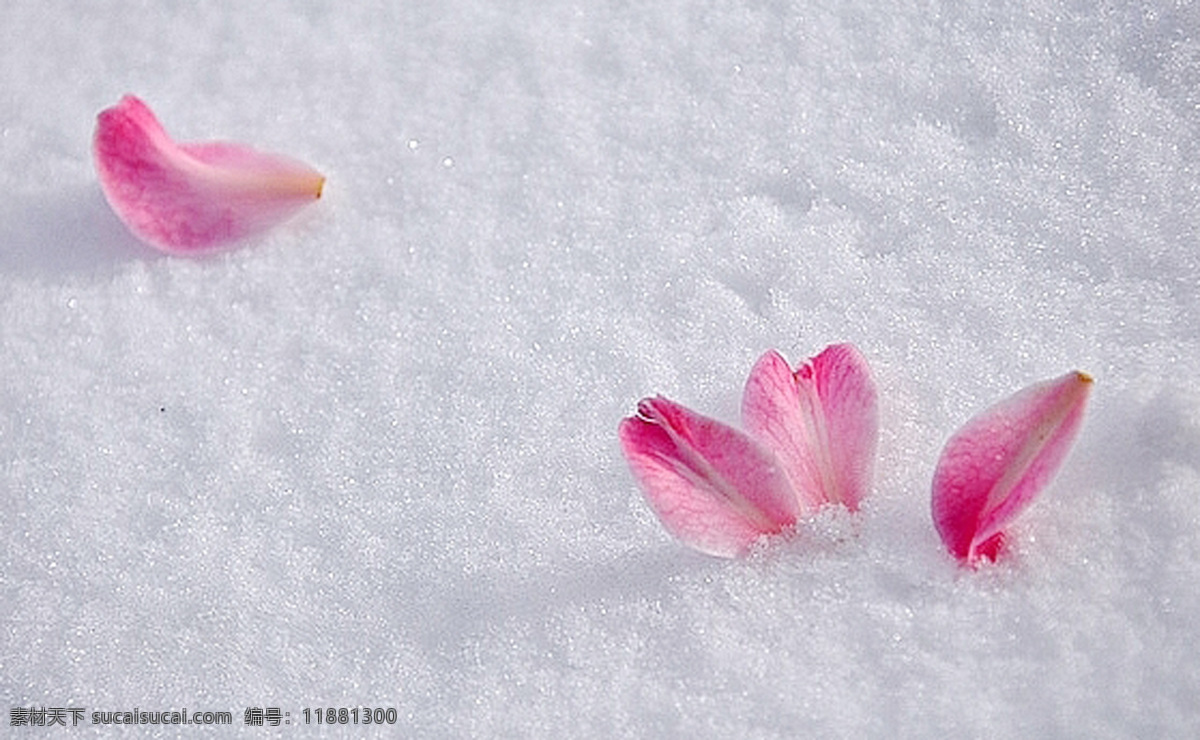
(187, 198)
(821, 421)
(994, 466)
(711, 486)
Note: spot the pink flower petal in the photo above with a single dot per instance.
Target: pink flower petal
(711, 486)
(187, 198)
(995, 466)
(821, 421)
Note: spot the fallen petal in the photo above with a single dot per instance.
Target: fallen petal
(187, 198)
(711, 486)
(994, 467)
(821, 421)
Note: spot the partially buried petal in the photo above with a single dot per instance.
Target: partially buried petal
(710, 485)
(993, 468)
(821, 421)
(189, 198)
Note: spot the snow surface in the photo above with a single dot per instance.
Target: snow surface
(371, 458)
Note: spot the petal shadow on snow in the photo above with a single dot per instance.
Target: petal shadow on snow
(444, 618)
(73, 231)
(1142, 438)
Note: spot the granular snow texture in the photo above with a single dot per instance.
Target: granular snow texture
(370, 458)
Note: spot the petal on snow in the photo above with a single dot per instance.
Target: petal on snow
(999, 461)
(188, 198)
(712, 487)
(821, 421)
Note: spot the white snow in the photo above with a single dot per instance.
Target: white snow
(370, 459)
